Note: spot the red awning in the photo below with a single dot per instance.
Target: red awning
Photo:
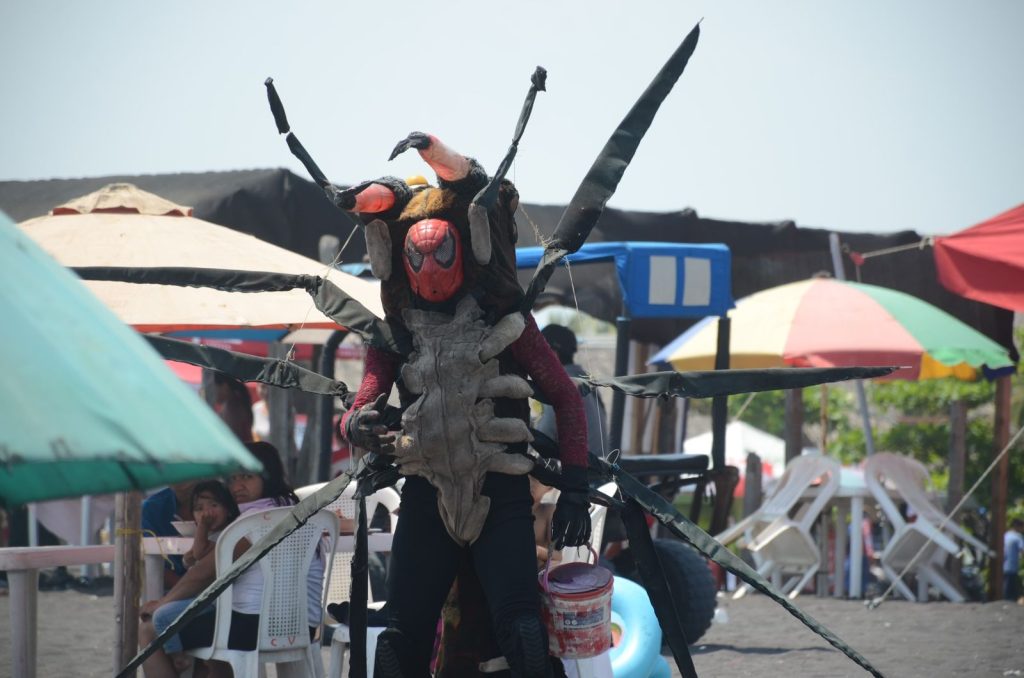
(986, 262)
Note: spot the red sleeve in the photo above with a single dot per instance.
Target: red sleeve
(532, 351)
(379, 372)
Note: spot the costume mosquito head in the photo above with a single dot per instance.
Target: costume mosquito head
(439, 242)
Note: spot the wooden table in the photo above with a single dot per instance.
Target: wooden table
(22, 565)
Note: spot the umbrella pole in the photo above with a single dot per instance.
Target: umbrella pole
(865, 415)
(862, 399)
(823, 421)
(127, 576)
(794, 423)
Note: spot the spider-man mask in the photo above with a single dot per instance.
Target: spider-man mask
(433, 259)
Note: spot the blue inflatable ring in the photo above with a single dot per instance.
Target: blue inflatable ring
(640, 644)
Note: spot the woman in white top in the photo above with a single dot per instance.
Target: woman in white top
(252, 492)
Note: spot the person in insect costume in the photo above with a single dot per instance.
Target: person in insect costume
(447, 271)
(458, 341)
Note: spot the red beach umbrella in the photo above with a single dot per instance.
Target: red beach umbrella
(986, 262)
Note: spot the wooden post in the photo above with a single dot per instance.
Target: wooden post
(666, 425)
(640, 405)
(821, 579)
(794, 423)
(282, 418)
(752, 492)
(127, 576)
(957, 466)
(957, 453)
(1000, 479)
(307, 463)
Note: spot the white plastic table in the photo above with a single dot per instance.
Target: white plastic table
(849, 501)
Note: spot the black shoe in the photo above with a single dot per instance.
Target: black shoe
(340, 612)
(96, 586)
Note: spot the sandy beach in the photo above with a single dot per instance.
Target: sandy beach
(76, 636)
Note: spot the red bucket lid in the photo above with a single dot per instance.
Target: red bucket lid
(578, 578)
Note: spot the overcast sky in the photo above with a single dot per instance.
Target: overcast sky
(864, 116)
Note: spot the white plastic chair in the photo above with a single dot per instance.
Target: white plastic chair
(908, 478)
(782, 544)
(283, 636)
(338, 586)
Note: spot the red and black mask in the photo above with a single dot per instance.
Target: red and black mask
(433, 259)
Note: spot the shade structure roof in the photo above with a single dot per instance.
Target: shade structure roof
(86, 406)
(986, 262)
(122, 226)
(659, 279)
(829, 323)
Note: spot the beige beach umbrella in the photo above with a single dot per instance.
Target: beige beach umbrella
(123, 226)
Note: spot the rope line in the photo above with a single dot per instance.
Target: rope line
(920, 245)
(290, 356)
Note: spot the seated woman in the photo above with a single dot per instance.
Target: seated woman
(252, 492)
(214, 509)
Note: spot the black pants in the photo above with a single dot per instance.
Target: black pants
(425, 560)
(1011, 586)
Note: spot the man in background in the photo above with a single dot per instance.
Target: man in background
(563, 342)
(1013, 544)
(158, 511)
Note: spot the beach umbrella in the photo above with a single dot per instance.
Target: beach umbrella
(824, 322)
(122, 226)
(986, 262)
(86, 406)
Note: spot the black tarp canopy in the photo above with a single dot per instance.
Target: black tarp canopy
(287, 210)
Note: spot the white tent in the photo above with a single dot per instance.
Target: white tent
(742, 439)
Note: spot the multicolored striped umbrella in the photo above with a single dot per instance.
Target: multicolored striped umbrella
(824, 322)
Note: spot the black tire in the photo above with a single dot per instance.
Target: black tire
(693, 587)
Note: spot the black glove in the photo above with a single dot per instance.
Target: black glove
(570, 525)
(364, 430)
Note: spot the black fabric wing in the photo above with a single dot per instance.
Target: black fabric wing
(244, 367)
(714, 383)
(603, 178)
(328, 298)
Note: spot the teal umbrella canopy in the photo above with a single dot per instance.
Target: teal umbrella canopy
(86, 406)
